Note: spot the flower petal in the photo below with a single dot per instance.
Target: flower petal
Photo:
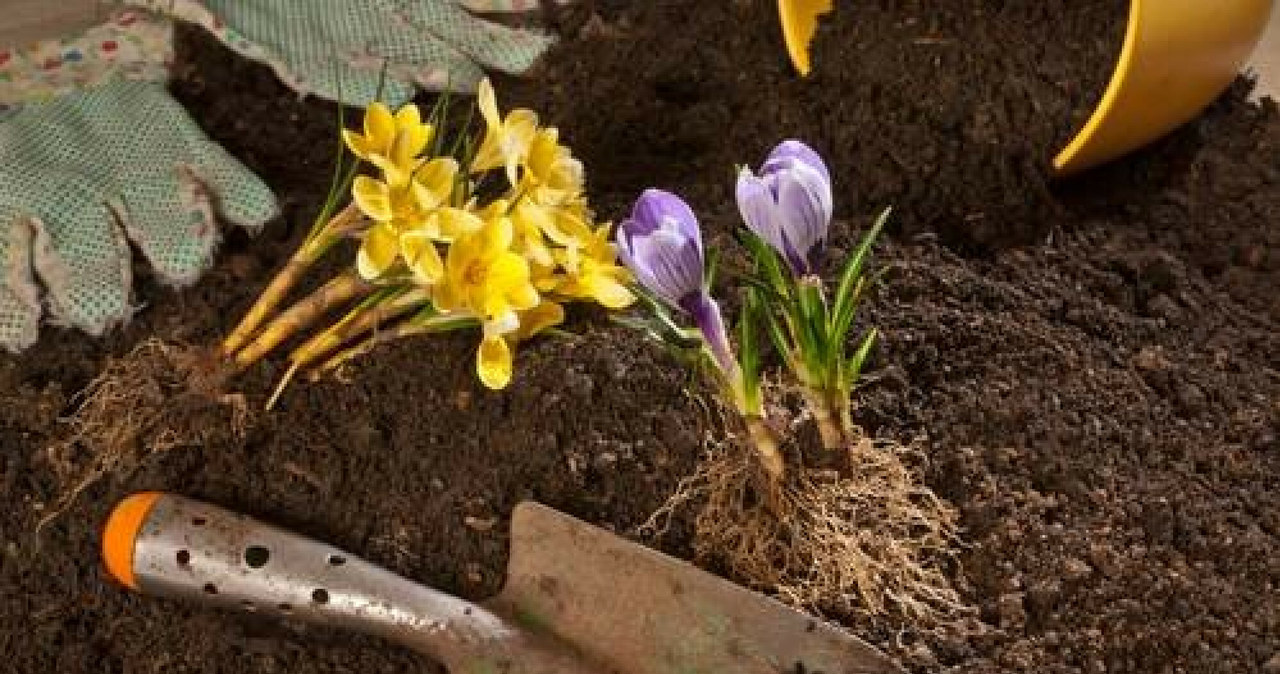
(669, 265)
(493, 362)
(419, 252)
(539, 318)
(656, 208)
(408, 115)
(378, 251)
(794, 150)
(372, 197)
(433, 182)
(401, 153)
(608, 292)
(487, 101)
(456, 222)
(804, 200)
(357, 143)
(496, 236)
(507, 271)
(758, 209)
(566, 229)
(379, 127)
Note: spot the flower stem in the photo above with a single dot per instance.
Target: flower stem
(766, 447)
(342, 288)
(284, 281)
(407, 328)
(765, 444)
(840, 401)
(706, 315)
(820, 406)
(357, 323)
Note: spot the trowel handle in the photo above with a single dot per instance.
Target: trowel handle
(167, 545)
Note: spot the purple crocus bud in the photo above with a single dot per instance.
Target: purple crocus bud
(662, 245)
(789, 204)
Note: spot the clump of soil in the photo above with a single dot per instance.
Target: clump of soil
(1090, 368)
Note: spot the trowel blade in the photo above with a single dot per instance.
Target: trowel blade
(638, 611)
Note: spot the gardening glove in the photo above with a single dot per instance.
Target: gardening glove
(85, 171)
(337, 48)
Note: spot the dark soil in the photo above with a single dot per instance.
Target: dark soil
(1093, 367)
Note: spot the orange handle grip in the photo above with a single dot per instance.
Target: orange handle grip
(121, 532)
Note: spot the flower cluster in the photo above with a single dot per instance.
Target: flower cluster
(495, 235)
(509, 262)
(787, 208)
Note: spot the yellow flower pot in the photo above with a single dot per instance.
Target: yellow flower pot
(1178, 56)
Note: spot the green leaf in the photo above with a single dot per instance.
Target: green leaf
(811, 323)
(768, 265)
(844, 321)
(712, 267)
(813, 311)
(463, 141)
(853, 367)
(437, 118)
(750, 351)
(660, 323)
(853, 267)
(777, 334)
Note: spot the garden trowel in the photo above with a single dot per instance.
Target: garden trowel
(577, 599)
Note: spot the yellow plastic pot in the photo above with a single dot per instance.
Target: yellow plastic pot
(1178, 56)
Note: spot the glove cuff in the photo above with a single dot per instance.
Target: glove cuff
(131, 44)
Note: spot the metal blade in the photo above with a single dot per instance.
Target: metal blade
(639, 611)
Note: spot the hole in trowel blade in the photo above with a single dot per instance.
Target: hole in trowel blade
(198, 521)
(337, 560)
(320, 595)
(183, 557)
(210, 588)
(256, 556)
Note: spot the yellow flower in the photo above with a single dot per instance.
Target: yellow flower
(383, 131)
(485, 277)
(553, 176)
(399, 205)
(506, 140)
(591, 271)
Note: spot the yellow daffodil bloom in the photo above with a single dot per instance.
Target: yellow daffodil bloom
(399, 205)
(382, 130)
(506, 140)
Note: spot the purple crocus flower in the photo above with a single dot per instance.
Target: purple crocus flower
(662, 245)
(789, 204)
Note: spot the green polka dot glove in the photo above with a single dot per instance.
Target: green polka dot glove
(337, 48)
(86, 173)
